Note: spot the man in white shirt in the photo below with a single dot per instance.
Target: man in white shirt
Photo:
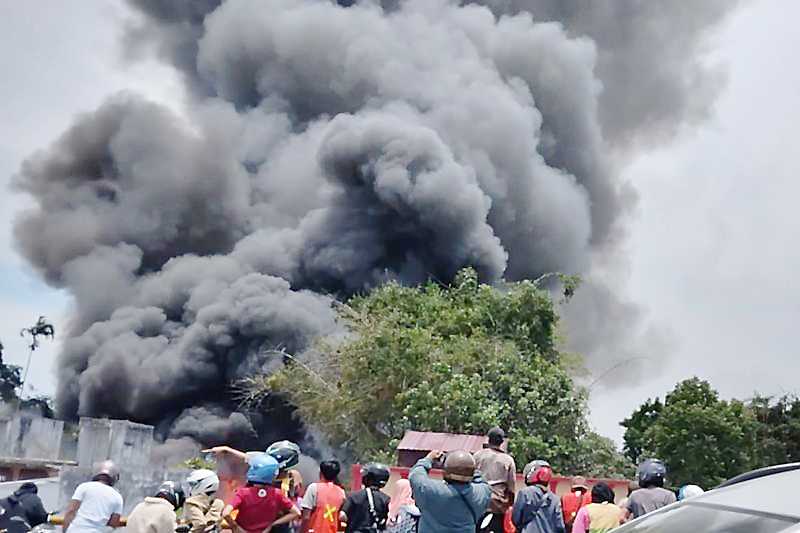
(95, 504)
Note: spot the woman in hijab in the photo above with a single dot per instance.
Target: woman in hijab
(403, 512)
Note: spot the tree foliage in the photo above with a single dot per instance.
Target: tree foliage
(10, 380)
(703, 439)
(11, 383)
(460, 358)
(778, 429)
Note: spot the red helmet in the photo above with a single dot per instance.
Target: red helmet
(538, 473)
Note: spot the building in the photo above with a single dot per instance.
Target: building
(416, 445)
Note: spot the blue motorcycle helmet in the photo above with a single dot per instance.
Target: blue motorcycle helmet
(263, 469)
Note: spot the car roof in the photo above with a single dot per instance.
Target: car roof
(774, 493)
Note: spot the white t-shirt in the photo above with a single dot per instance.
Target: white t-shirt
(98, 503)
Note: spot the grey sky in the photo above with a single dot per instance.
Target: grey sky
(712, 248)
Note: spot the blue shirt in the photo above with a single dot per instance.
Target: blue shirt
(448, 507)
(537, 510)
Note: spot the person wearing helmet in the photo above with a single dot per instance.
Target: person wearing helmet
(287, 454)
(689, 491)
(322, 501)
(601, 515)
(95, 504)
(260, 506)
(456, 504)
(652, 495)
(22, 510)
(367, 510)
(537, 509)
(572, 502)
(500, 471)
(289, 480)
(202, 508)
(157, 514)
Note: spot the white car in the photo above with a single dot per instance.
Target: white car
(762, 501)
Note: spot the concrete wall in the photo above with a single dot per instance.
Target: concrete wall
(31, 437)
(130, 446)
(125, 442)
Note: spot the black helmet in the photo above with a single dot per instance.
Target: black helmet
(286, 452)
(652, 473)
(170, 491)
(375, 475)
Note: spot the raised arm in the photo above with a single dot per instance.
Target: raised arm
(222, 450)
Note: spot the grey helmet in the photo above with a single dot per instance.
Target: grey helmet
(652, 473)
(106, 469)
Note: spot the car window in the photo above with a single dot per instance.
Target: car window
(698, 518)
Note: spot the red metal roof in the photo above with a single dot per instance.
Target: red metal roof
(446, 442)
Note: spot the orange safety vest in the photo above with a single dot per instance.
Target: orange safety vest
(325, 516)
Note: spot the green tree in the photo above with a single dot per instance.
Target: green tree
(636, 426)
(777, 437)
(701, 438)
(10, 380)
(460, 358)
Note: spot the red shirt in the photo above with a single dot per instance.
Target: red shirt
(259, 507)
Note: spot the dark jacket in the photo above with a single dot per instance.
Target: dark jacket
(23, 509)
(448, 507)
(537, 510)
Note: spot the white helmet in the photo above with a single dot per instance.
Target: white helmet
(689, 491)
(202, 482)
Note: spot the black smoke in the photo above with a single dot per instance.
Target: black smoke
(325, 149)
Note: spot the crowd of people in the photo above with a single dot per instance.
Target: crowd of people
(477, 494)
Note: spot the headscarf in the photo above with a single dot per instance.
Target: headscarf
(402, 496)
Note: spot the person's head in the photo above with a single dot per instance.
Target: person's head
(602, 493)
(170, 491)
(652, 473)
(459, 467)
(579, 484)
(375, 475)
(538, 473)
(263, 469)
(496, 437)
(202, 481)
(106, 472)
(286, 452)
(329, 471)
(26, 488)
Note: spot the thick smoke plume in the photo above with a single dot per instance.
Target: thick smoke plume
(327, 147)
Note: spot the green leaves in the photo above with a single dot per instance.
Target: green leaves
(705, 440)
(458, 358)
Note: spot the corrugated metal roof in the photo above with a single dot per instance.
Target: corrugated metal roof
(446, 442)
